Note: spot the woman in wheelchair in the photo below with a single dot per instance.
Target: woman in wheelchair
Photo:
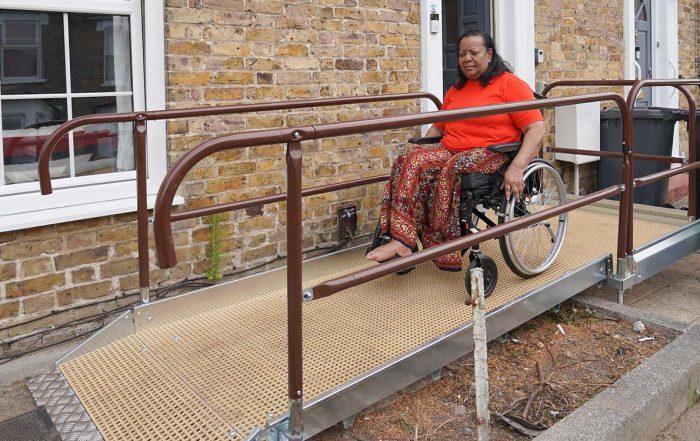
(422, 197)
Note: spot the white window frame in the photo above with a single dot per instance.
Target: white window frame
(22, 206)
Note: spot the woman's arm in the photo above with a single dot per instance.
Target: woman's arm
(433, 131)
(532, 141)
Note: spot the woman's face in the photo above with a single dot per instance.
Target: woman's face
(473, 58)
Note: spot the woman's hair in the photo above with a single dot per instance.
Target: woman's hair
(496, 67)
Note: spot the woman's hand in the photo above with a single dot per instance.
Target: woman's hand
(513, 181)
(532, 140)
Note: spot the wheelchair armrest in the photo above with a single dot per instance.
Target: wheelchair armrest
(421, 141)
(505, 148)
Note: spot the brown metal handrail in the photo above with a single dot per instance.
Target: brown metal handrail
(692, 140)
(586, 83)
(154, 115)
(140, 134)
(626, 217)
(165, 251)
(606, 154)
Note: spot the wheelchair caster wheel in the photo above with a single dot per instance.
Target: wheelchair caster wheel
(490, 273)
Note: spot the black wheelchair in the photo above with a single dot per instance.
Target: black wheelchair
(527, 252)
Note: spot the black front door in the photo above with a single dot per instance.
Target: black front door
(460, 16)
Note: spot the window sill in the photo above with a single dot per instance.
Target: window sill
(22, 221)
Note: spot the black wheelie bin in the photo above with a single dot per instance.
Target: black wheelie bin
(653, 135)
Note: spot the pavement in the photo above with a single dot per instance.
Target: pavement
(670, 299)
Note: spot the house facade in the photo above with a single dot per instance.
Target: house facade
(70, 257)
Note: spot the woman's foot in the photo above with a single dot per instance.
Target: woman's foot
(388, 251)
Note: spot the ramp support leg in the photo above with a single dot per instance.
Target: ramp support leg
(145, 295)
(620, 296)
(348, 422)
(296, 425)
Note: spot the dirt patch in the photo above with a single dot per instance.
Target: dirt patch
(538, 374)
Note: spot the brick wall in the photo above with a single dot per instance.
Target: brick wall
(688, 55)
(233, 52)
(221, 52)
(581, 40)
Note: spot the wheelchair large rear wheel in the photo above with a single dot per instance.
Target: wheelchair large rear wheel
(530, 251)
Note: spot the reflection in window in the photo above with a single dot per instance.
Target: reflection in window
(103, 148)
(26, 125)
(21, 49)
(32, 59)
(103, 43)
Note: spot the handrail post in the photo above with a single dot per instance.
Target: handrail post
(625, 219)
(693, 201)
(294, 294)
(141, 207)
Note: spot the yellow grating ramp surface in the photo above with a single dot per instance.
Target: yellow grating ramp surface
(200, 376)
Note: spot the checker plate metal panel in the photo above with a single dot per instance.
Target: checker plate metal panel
(72, 422)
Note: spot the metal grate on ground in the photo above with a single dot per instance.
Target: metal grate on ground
(202, 376)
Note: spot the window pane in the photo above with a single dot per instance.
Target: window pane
(26, 125)
(103, 148)
(21, 32)
(33, 56)
(100, 51)
(20, 63)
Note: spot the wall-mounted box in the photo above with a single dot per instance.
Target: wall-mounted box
(577, 127)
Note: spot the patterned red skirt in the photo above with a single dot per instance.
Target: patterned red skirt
(422, 195)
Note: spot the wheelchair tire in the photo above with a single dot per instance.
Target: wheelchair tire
(490, 274)
(530, 251)
(379, 240)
